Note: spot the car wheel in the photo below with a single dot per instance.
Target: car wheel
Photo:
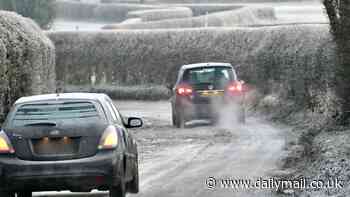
(24, 194)
(242, 116)
(182, 120)
(7, 194)
(133, 186)
(174, 118)
(180, 117)
(118, 191)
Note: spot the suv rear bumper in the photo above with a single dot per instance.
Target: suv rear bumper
(200, 111)
(76, 175)
(206, 110)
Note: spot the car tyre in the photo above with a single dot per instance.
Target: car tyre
(7, 194)
(118, 191)
(242, 116)
(180, 120)
(174, 117)
(24, 194)
(133, 186)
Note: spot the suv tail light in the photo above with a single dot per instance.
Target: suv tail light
(184, 90)
(235, 87)
(109, 139)
(5, 144)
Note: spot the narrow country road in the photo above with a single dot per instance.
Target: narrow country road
(177, 162)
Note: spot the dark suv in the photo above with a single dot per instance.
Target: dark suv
(203, 89)
(75, 141)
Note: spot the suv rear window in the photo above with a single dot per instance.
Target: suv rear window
(209, 75)
(38, 112)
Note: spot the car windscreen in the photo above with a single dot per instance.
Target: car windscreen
(54, 111)
(217, 76)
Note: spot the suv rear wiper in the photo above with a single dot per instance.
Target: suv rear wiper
(41, 124)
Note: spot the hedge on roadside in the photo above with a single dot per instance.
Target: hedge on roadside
(218, 1)
(27, 60)
(131, 21)
(161, 14)
(97, 11)
(202, 9)
(241, 17)
(119, 92)
(117, 12)
(296, 60)
(120, 1)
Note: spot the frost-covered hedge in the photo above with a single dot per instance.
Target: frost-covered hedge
(118, 11)
(197, 8)
(219, 1)
(298, 59)
(120, 1)
(131, 21)
(139, 92)
(97, 11)
(240, 17)
(202, 9)
(161, 14)
(27, 59)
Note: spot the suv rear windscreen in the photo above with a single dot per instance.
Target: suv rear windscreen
(39, 112)
(217, 76)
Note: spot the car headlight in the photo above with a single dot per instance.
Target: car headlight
(5, 144)
(109, 139)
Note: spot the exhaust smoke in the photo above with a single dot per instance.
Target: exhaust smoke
(229, 115)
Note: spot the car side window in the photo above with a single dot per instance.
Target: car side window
(114, 112)
(111, 111)
(119, 117)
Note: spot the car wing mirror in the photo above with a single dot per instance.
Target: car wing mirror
(133, 122)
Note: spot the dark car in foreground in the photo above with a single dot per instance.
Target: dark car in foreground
(203, 89)
(74, 141)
